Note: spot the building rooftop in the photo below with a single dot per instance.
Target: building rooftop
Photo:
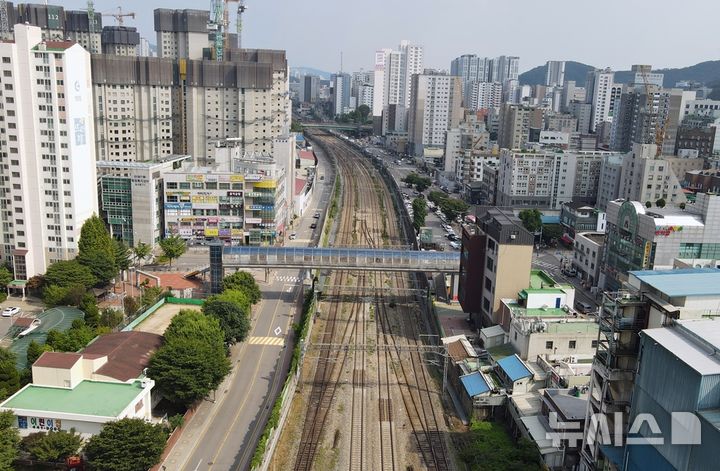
(514, 368)
(96, 398)
(138, 165)
(519, 310)
(128, 353)
(59, 360)
(682, 282)
(571, 407)
(474, 384)
(695, 343)
(541, 280)
(597, 237)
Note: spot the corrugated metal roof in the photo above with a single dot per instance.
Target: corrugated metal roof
(693, 354)
(682, 282)
(474, 384)
(514, 368)
(492, 331)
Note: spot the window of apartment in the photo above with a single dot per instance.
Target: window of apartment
(488, 284)
(594, 344)
(486, 304)
(5, 60)
(572, 344)
(548, 345)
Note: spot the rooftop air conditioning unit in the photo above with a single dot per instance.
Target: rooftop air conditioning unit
(513, 236)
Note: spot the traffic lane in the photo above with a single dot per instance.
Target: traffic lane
(228, 434)
(549, 262)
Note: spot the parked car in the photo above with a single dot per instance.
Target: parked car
(313, 225)
(569, 271)
(293, 236)
(455, 245)
(10, 311)
(316, 215)
(583, 307)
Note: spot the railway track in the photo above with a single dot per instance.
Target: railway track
(368, 219)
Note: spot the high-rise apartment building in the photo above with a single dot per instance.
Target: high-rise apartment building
(120, 41)
(555, 74)
(181, 34)
(504, 68)
(341, 93)
(435, 107)
(133, 101)
(311, 86)
(362, 88)
(515, 124)
(77, 28)
(483, 95)
(471, 69)
(599, 93)
(392, 82)
(547, 179)
(47, 123)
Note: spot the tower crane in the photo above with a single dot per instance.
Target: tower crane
(660, 121)
(119, 15)
(220, 24)
(240, 10)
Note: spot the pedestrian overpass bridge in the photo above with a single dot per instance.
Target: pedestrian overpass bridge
(358, 259)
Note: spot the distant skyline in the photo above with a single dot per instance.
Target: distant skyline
(611, 33)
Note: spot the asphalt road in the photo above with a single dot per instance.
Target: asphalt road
(549, 260)
(223, 434)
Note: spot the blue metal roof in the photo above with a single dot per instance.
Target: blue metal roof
(550, 219)
(682, 282)
(474, 384)
(514, 368)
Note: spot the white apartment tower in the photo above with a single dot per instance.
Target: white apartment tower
(483, 95)
(435, 108)
(47, 120)
(555, 74)
(504, 68)
(599, 90)
(470, 68)
(393, 74)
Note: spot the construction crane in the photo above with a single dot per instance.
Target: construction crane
(240, 10)
(219, 24)
(120, 15)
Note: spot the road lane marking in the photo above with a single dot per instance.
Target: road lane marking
(266, 341)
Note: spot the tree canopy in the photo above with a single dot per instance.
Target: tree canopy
(141, 251)
(97, 250)
(420, 183)
(73, 339)
(234, 320)
(531, 220)
(173, 247)
(233, 296)
(9, 376)
(193, 360)
(9, 440)
(419, 206)
(245, 282)
(66, 273)
(52, 446)
(453, 207)
(122, 255)
(126, 445)
(5, 276)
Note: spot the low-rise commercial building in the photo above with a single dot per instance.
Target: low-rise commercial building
(580, 217)
(131, 198)
(588, 251)
(651, 238)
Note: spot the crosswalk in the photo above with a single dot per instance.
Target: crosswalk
(287, 279)
(549, 266)
(274, 341)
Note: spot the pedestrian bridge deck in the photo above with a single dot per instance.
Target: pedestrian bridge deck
(341, 258)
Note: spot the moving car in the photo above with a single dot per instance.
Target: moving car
(583, 307)
(10, 311)
(316, 215)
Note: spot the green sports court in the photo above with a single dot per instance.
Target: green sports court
(58, 318)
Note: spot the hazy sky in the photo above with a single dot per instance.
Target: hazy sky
(614, 33)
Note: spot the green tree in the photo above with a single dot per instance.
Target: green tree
(245, 282)
(648, 204)
(126, 445)
(420, 183)
(34, 351)
(419, 206)
(362, 112)
(551, 231)
(55, 295)
(35, 283)
(487, 446)
(131, 305)
(5, 277)
(437, 197)
(234, 320)
(52, 446)
(150, 295)
(111, 318)
(9, 440)
(173, 247)
(89, 306)
(193, 360)
(660, 203)
(233, 296)
(72, 340)
(97, 249)
(9, 375)
(453, 207)
(141, 252)
(531, 220)
(66, 273)
(122, 255)
(296, 127)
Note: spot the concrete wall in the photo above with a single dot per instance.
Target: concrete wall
(57, 377)
(513, 273)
